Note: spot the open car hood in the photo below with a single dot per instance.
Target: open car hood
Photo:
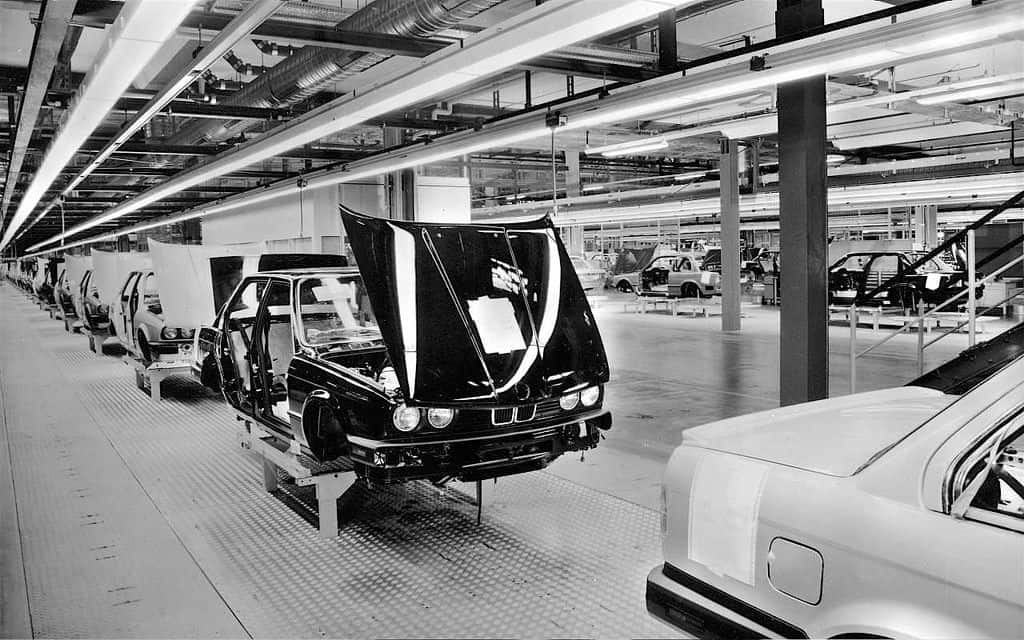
(477, 313)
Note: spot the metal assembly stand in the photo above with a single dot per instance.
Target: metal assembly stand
(150, 378)
(330, 485)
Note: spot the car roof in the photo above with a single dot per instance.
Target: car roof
(308, 271)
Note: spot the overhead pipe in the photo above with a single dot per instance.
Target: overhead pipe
(310, 69)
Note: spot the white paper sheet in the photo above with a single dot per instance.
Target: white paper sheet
(725, 498)
(932, 281)
(495, 320)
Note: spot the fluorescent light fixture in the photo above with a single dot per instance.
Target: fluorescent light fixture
(137, 34)
(973, 94)
(242, 25)
(534, 32)
(683, 177)
(654, 145)
(835, 158)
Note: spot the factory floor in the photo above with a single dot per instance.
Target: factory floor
(121, 516)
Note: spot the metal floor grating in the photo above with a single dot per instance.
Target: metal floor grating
(551, 558)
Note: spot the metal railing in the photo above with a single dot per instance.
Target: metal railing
(923, 315)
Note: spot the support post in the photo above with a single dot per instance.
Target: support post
(852, 317)
(920, 338)
(668, 47)
(803, 221)
(972, 303)
(728, 168)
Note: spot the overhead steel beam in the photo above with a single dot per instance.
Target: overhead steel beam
(235, 30)
(147, 148)
(141, 30)
(189, 109)
(53, 26)
(536, 31)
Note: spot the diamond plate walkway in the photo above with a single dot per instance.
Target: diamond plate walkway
(142, 519)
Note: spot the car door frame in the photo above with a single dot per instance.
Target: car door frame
(230, 381)
(261, 403)
(125, 331)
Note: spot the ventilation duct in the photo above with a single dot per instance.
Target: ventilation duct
(311, 69)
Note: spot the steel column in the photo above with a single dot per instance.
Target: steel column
(668, 48)
(803, 221)
(728, 169)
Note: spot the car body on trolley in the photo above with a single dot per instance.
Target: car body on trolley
(453, 352)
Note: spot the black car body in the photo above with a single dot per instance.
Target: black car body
(453, 351)
(755, 262)
(857, 274)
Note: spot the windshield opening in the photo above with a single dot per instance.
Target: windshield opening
(335, 310)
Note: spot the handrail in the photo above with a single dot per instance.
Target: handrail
(942, 305)
(949, 242)
(990, 307)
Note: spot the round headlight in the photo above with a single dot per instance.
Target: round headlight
(167, 333)
(187, 333)
(405, 418)
(590, 396)
(440, 418)
(569, 402)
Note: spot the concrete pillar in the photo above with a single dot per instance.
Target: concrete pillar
(931, 226)
(575, 244)
(803, 221)
(572, 176)
(728, 169)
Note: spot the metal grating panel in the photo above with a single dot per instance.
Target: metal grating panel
(551, 558)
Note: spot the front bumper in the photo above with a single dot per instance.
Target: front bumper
(476, 458)
(171, 350)
(685, 602)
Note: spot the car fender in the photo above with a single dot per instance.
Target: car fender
(890, 620)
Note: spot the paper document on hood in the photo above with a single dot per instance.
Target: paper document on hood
(496, 323)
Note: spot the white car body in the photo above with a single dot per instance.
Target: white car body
(841, 517)
(590, 276)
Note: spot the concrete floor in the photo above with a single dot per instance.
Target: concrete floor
(149, 511)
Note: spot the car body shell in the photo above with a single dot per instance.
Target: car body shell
(335, 402)
(855, 275)
(673, 275)
(838, 520)
(63, 295)
(93, 314)
(137, 320)
(590, 276)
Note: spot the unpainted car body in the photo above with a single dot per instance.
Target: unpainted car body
(673, 275)
(454, 351)
(896, 513)
(856, 274)
(137, 320)
(94, 315)
(590, 276)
